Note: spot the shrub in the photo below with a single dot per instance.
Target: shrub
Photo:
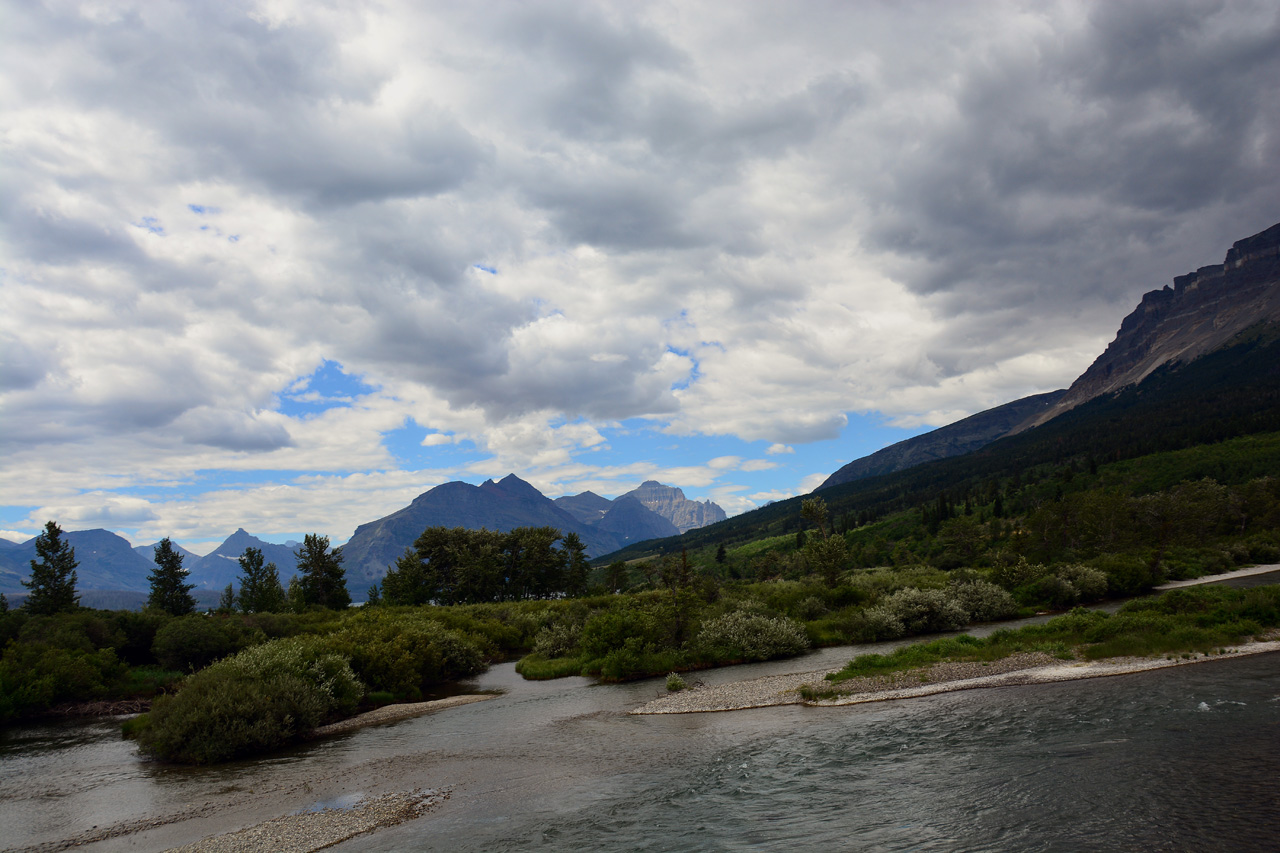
(1090, 584)
(924, 611)
(258, 700)
(1052, 590)
(557, 640)
(1127, 574)
(1012, 575)
(193, 642)
(881, 623)
(612, 629)
(403, 652)
(34, 677)
(745, 636)
(984, 601)
(675, 683)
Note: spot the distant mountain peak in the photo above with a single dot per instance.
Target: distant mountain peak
(670, 503)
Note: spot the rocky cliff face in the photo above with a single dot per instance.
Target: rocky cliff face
(1201, 312)
(670, 503)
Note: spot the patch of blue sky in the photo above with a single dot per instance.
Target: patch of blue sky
(483, 268)
(756, 471)
(15, 517)
(151, 224)
(694, 374)
(328, 387)
(203, 209)
(406, 445)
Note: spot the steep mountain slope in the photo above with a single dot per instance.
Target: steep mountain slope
(1200, 313)
(955, 439)
(630, 521)
(670, 503)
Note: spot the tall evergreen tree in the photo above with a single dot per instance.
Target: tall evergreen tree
(321, 578)
(260, 589)
(53, 578)
(576, 568)
(170, 591)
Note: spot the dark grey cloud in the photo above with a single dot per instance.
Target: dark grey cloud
(1093, 145)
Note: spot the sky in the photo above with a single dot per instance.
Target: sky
(286, 265)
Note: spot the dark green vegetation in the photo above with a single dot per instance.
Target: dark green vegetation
(53, 575)
(321, 580)
(1197, 619)
(276, 692)
(170, 591)
(460, 566)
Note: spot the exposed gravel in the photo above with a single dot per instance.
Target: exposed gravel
(391, 713)
(308, 831)
(1023, 668)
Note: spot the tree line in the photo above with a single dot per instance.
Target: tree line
(460, 566)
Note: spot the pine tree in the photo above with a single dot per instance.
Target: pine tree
(169, 590)
(321, 578)
(227, 601)
(576, 568)
(260, 589)
(53, 578)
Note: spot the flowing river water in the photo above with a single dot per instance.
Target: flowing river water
(1186, 758)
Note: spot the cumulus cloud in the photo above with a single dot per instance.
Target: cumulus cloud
(525, 226)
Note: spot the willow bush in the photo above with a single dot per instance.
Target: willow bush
(258, 700)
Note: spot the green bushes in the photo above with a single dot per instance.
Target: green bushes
(36, 676)
(258, 700)
(403, 652)
(983, 601)
(746, 636)
(189, 643)
(274, 693)
(1199, 619)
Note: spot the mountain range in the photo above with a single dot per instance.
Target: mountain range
(648, 512)
(108, 562)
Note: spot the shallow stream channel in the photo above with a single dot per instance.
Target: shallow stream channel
(1186, 758)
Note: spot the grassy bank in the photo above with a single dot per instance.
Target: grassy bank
(1180, 622)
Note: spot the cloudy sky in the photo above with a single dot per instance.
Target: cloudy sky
(285, 265)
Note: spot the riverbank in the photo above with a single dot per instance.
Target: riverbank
(392, 713)
(945, 677)
(311, 831)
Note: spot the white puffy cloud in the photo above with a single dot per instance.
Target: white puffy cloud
(524, 226)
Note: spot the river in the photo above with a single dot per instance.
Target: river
(1176, 759)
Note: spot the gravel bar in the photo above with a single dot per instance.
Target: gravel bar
(308, 831)
(1022, 668)
(392, 713)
